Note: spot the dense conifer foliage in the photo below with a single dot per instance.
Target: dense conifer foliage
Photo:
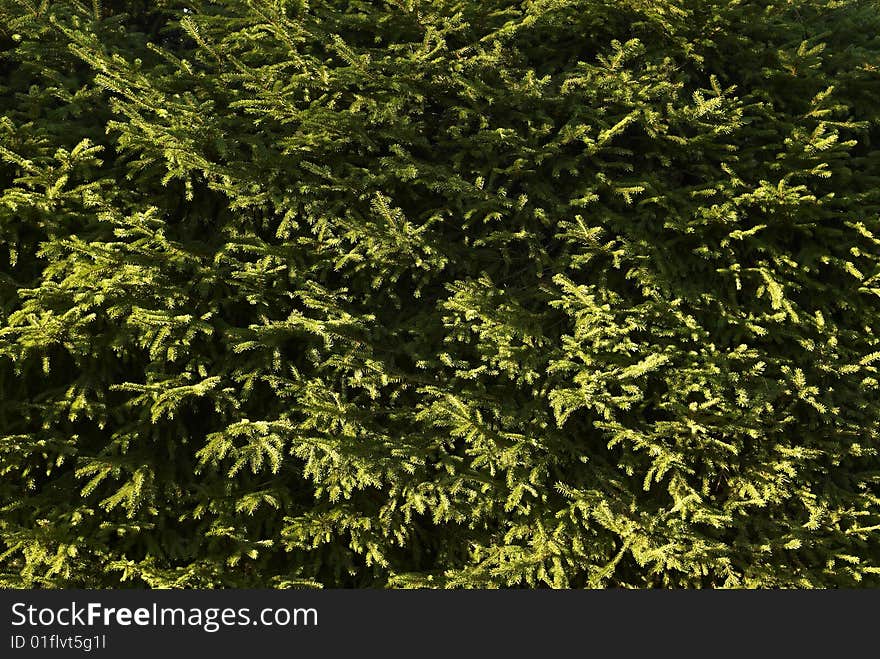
(444, 293)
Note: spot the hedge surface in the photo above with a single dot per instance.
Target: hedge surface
(444, 293)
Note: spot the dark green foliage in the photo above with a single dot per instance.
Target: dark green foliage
(429, 293)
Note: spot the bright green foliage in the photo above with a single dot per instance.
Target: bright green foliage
(453, 293)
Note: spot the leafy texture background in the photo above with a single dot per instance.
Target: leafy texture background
(439, 293)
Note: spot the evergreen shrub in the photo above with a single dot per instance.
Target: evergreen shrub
(439, 293)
